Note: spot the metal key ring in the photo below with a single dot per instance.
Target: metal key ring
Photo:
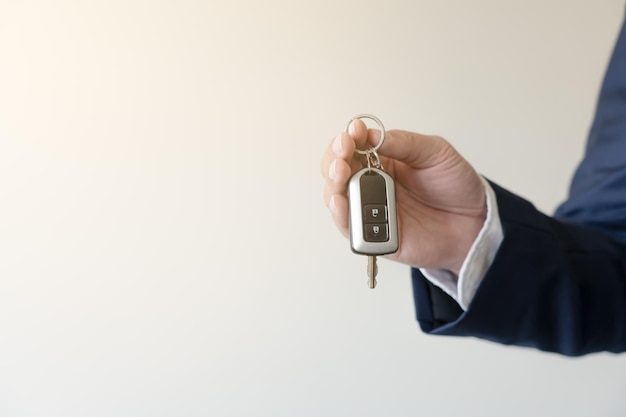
(382, 132)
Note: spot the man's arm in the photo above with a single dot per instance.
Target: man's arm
(555, 286)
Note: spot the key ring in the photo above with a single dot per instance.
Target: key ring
(382, 133)
(373, 160)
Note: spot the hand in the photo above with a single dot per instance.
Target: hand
(440, 198)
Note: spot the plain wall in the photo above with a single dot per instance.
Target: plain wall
(164, 248)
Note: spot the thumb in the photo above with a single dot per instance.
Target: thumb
(414, 149)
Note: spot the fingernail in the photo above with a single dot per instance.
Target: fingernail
(351, 129)
(332, 170)
(337, 147)
(331, 205)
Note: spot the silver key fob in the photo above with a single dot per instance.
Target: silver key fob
(373, 217)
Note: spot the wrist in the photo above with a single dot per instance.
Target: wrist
(463, 283)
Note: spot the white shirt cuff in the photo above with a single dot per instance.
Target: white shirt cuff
(478, 259)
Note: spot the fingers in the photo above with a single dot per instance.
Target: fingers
(339, 173)
(338, 162)
(337, 165)
(338, 207)
(344, 144)
(341, 147)
(359, 132)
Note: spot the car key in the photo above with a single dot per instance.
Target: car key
(372, 271)
(372, 209)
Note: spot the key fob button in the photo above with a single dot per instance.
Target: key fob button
(375, 213)
(376, 232)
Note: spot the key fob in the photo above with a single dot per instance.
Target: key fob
(372, 211)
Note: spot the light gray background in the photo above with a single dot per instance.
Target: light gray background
(164, 248)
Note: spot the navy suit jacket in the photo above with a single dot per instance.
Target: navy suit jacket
(557, 283)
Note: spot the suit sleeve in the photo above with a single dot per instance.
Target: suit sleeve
(553, 285)
(556, 283)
